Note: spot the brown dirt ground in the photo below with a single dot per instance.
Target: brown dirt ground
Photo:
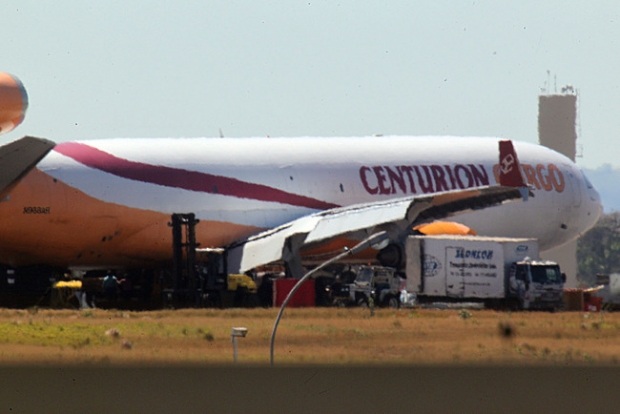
(310, 336)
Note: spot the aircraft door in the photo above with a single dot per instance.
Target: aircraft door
(455, 272)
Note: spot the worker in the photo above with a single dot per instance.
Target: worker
(110, 286)
(80, 293)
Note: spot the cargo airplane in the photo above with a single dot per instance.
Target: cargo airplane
(107, 203)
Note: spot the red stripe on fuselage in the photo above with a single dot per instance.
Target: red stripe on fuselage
(184, 179)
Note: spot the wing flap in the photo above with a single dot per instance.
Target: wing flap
(279, 243)
(365, 216)
(265, 247)
(447, 204)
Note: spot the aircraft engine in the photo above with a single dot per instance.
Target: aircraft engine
(13, 102)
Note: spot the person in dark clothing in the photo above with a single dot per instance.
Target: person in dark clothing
(110, 286)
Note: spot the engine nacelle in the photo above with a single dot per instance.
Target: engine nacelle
(13, 102)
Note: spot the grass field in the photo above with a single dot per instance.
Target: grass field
(309, 336)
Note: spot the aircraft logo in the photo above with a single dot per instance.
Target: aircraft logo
(507, 163)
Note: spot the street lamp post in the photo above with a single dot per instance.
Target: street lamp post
(237, 332)
(374, 239)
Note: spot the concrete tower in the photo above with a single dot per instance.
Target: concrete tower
(557, 115)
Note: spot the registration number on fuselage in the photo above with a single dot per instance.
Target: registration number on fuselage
(36, 210)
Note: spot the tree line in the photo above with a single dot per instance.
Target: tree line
(598, 250)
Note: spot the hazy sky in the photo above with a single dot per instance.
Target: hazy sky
(97, 69)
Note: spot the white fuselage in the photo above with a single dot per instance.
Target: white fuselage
(259, 183)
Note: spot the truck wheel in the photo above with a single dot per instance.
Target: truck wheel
(393, 302)
(362, 303)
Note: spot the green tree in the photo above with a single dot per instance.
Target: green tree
(598, 250)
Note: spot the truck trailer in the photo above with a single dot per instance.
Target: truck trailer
(497, 271)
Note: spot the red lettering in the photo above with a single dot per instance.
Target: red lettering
(450, 175)
(496, 173)
(440, 179)
(406, 179)
(367, 187)
(381, 179)
(544, 180)
(460, 172)
(407, 169)
(396, 177)
(481, 178)
(556, 177)
(530, 175)
(426, 187)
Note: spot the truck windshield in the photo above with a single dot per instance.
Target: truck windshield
(364, 276)
(546, 275)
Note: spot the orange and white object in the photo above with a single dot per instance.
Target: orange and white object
(13, 102)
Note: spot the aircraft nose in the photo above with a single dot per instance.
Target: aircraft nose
(593, 204)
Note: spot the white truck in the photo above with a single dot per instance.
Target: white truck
(490, 269)
(381, 284)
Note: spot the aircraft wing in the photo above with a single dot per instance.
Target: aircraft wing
(361, 220)
(18, 158)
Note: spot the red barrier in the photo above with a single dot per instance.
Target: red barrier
(593, 304)
(304, 297)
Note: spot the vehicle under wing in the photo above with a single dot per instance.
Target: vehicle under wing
(396, 216)
(18, 158)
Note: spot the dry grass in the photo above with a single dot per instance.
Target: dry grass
(309, 336)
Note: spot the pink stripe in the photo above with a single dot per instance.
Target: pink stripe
(179, 178)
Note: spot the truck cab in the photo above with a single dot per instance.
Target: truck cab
(372, 284)
(536, 284)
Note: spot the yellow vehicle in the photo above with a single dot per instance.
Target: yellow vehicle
(239, 282)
